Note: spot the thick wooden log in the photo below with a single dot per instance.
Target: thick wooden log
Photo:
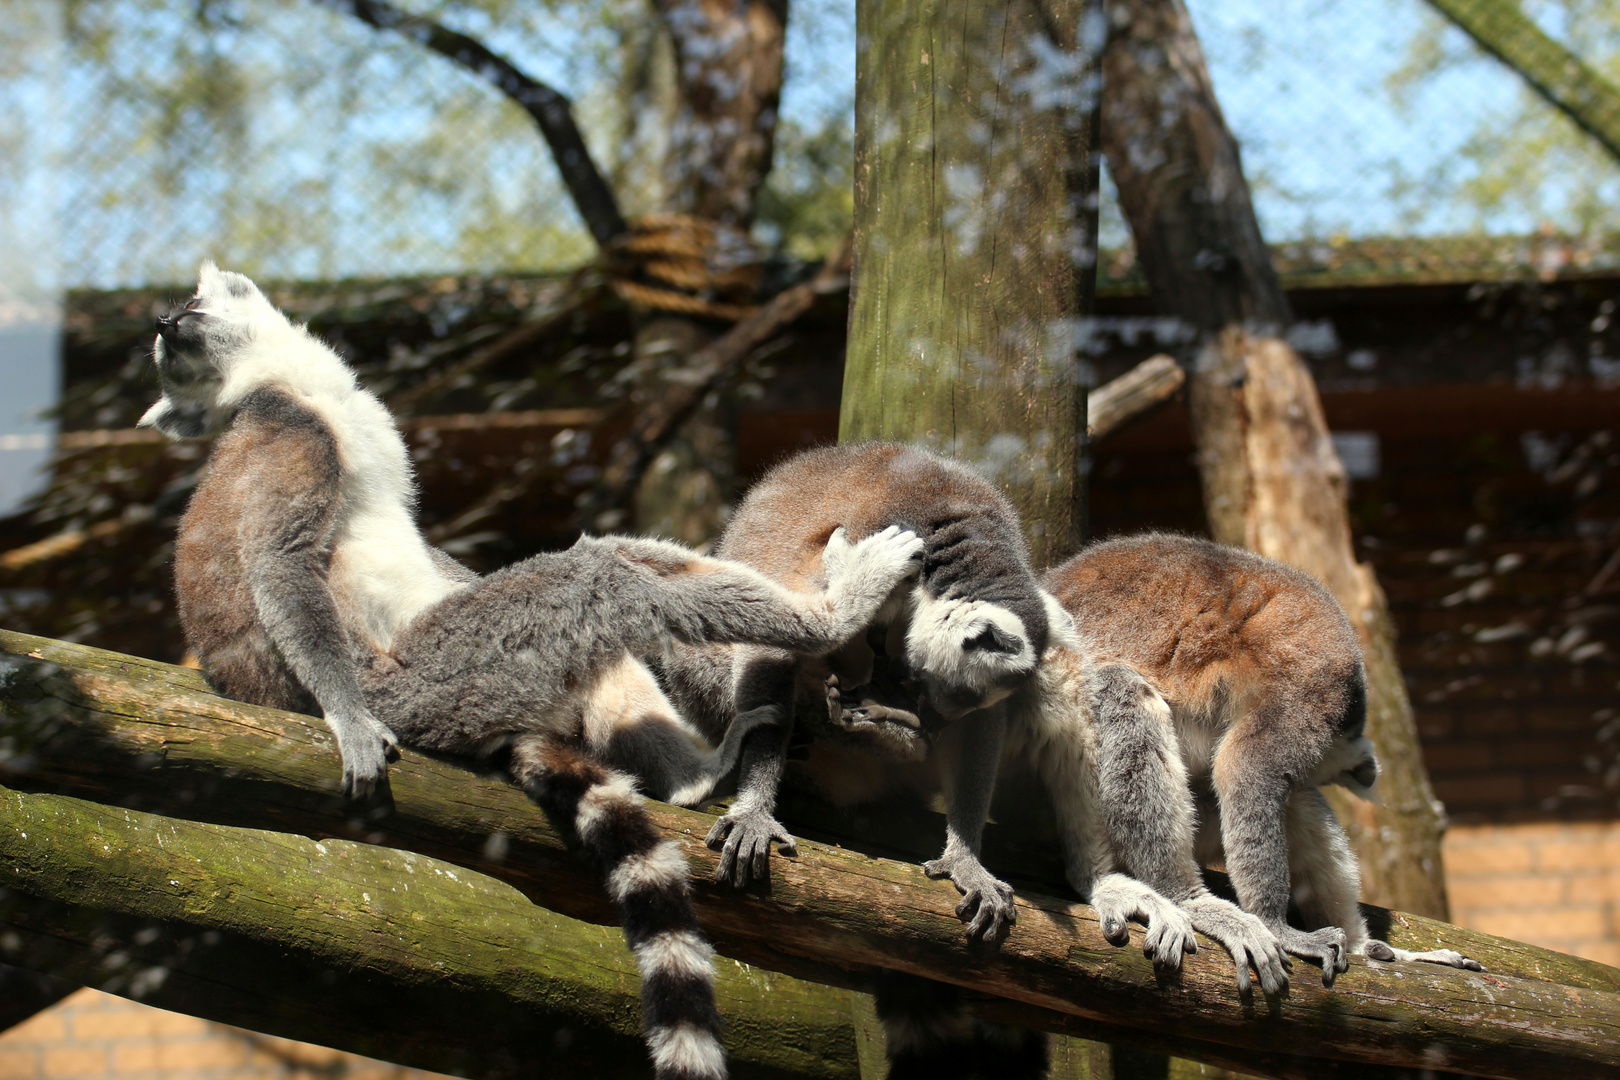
(145, 735)
(364, 948)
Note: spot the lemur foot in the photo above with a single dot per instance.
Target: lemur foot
(863, 574)
(1327, 946)
(1120, 900)
(987, 901)
(1247, 940)
(366, 745)
(743, 838)
(1374, 949)
(895, 732)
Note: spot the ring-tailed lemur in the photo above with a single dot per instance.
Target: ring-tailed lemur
(1267, 701)
(1096, 733)
(304, 583)
(967, 634)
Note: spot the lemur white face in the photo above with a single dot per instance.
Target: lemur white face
(967, 654)
(195, 346)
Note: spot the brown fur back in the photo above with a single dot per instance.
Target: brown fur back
(783, 524)
(1213, 628)
(275, 457)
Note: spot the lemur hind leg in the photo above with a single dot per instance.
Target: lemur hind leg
(629, 724)
(1327, 881)
(1255, 770)
(1147, 811)
(744, 834)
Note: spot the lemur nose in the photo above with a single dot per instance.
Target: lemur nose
(164, 322)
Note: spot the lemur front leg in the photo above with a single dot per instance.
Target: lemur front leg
(1147, 811)
(987, 902)
(296, 607)
(744, 834)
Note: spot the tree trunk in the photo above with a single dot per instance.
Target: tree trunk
(975, 243)
(1558, 75)
(150, 737)
(1272, 481)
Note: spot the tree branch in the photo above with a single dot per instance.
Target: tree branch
(552, 112)
(363, 948)
(147, 736)
(1132, 395)
(1561, 78)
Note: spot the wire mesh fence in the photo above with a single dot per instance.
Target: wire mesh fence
(291, 140)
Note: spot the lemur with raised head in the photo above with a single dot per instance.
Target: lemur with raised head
(968, 633)
(304, 583)
(1264, 700)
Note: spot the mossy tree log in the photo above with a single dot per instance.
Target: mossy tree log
(975, 245)
(1272, 480)
(364, 948)
(142, 736)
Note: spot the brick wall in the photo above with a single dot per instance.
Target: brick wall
(1553, 884)
(95, 1036)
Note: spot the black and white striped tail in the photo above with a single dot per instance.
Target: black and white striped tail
(929, 1035)
(647, 879)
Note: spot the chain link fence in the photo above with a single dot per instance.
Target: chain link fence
(292, 141)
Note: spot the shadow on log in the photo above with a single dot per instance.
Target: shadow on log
(145, 736)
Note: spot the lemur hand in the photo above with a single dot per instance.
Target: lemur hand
(743, 837)
(1327, 946)
(987, 902)
(892, 731)
(367, 746)
(860, 576)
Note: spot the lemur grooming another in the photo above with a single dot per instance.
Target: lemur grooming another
(304, 583)
(968, 634)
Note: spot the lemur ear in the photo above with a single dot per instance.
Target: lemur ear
(992, 638)
(188, 421)
(212, 281)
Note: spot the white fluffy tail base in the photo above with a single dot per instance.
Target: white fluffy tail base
(646, 877)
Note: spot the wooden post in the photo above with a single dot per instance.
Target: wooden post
(974, 248)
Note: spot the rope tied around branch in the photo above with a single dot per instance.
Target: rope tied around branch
(685, 264)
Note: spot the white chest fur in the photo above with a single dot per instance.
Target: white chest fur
(381, 573)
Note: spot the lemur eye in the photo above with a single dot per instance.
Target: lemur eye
(192, 303)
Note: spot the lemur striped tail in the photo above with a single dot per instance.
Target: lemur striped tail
(647, 879)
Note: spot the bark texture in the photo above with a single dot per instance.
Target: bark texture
(1272, 481)
(974, 243)
(728, 68)
(151, 738)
